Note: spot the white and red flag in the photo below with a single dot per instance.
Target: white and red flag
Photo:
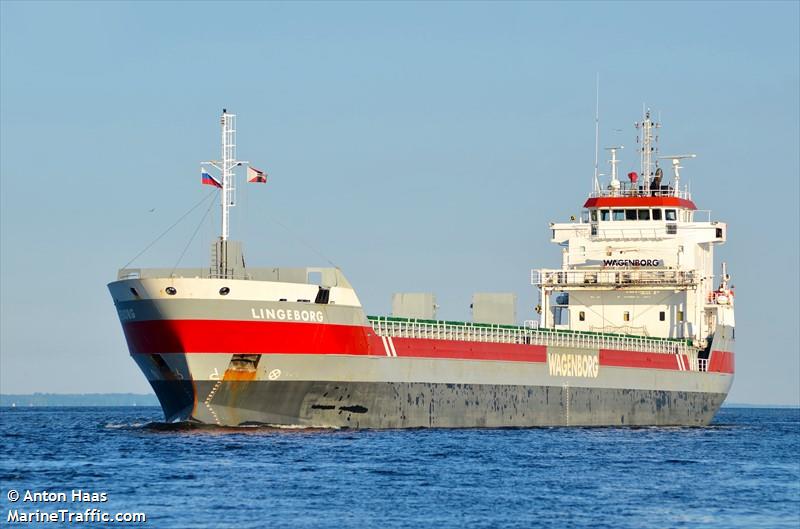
(255, 175)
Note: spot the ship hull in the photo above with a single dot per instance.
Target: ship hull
(326, 404)
(346, 391)
(227, 363)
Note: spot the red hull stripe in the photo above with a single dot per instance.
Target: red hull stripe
(424, 348)
(246, 337)
(274, 337)
(721, 362)
(635, 202)
(611, 357)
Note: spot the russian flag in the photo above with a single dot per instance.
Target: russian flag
(255, 175)
(209, 180)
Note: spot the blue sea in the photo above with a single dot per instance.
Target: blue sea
(743, 471)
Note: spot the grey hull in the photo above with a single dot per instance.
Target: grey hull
(425, 405)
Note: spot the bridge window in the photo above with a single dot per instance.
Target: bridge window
(619, 214)
(662, 316)
(594, 215)
(670, 214)
(630, 214)
(656, 214)
(626, 316)
(605, 214)
(644, 214)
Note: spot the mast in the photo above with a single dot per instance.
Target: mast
(227, 168)
(647, 150)
(595, 182)
(228, 194)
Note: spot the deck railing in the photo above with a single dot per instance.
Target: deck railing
(612, 278)
(479, 332)
(640, 190)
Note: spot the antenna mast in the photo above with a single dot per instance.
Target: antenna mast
(647, 150)
(596, 131)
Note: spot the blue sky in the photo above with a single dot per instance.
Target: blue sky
(419, 146)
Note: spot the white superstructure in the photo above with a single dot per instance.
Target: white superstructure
(640, 260)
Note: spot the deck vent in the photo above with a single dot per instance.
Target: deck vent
(672, 229)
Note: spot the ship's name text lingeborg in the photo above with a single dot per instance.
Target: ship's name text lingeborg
(287, 314)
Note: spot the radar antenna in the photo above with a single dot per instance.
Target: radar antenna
(676, 167)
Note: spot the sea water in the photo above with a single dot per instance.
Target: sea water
(742, 471)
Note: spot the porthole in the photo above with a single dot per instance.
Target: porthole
(171, 291)
(224, 291)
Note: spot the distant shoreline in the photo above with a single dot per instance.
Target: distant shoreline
(63, 400)
(77, 399)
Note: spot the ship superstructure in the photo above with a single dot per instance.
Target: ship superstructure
(632, 329)
(640, 261)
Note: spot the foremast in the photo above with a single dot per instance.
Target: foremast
(223, 258)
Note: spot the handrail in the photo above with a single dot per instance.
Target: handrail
(639, 190)
(475, 332)
(616, 277)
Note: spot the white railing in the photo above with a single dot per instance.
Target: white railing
(612, 278)
(446, 330)
(640, 190)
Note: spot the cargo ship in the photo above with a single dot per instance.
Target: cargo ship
(633, 328)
